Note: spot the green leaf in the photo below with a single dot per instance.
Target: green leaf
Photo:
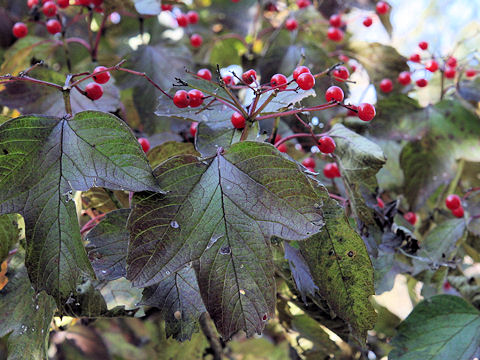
(442, 327)
(9, 233)
(42, 160)
(221, 214)
(25, 315)
(169, 149)
(178, 298)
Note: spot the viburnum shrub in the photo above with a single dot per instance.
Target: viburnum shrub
(177, 177)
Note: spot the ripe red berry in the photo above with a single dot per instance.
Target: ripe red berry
(423, 45)
(238, 121)
(306, 81)
(193, 128)
(49, 9)
(53, 26)
(279, 81)
(182, 20)
(335, 34)
(450, 72)
(192, 17)
(63, 4)
(205, 74)
(415, 58)
(181, 99)
(196, 98)
(331, 171)
(366, 111)
(380, 203)
(167, 7)
(470, 72)
(343, 58)
(421, 82)
(404, 78)
(19, 30)
(326, 144)
(431, 65)
(32, 3)
(452, 62)
(367, 21)
(382, 7)
(249, 76)
(303, 3)
(144, 143)
(228, 79)
(309, 162)
(386, 85)
(94, 91)
(196, 40)
(453, 202)
(335, 20)
(447, 286)
(334, 93)
(411, 217)
(291, 24)
(341, 73)
(458, 212)
(282, 148)
(300, 70)
(101, 78)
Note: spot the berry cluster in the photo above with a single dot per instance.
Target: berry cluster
(454, 204)
(94, 90)
(185, 19)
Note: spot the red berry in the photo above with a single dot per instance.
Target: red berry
(19, 30)
(331, 171)
(271, 7)
(306, 81)
(335, 20)
(431, 66)
(382, 7)
(415, 58)
(96, 3)
(421, 82)
(182, 20)
(282, 148)
(404, 78)
(341, 73)
(450, 72)
(326, 144)
(303, 3)
(351, 111)
(411, 217)
(366, 111)
(196, 40)
(63, 4)
(279, 81)
(181, 99)
(32, 3)
(103, 77)
(196, 98)
(452, 62)
(167, 7)
(94, 91)
(458, 212)
(367, 21)
(343, 58)
(145, 144)
(249, 76)
(380, 203)
(309, 162)
(193, 128)
(291, 24)
(228, 79)
(334, 93)
(205, 74)
(446, 286)
(386, 85)
(423, 45)
(335, 34)
(54, 26)
(453, 202)
(470, 72)
(49, 9)
(300, 70)
(192, 17)
(238, 121)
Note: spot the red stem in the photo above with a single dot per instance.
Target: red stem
(296, 111)
(91, 223)
(294, 136)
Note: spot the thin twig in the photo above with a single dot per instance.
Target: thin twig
(212, 337)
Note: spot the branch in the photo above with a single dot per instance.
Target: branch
(212, 337)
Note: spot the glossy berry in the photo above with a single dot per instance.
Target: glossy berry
(335, 20)
(181, 99)
(343, 58)
(182, 20)
(238, 121)
(291, 24)
(94, 91)
(32, 3)
(196, 40)
(335, 34)
(386, 85)
(421, 82)
(63, 4)
(415, 58)
(279, 81)
(49, 9)
(380, 203)
(196, 98)
(282, 148)
(193, 128)
(309, 162)
(411, 217)
(431, 65)
(249, 76)
(306, 81)
(53, 26)
(144, 143)
(303, 3)
(19, 30)
(453, 202)
(367, 21)
(450, 72)
(423, 45)
(271, 7)
(326, 144)
(341, 73)
(470, 72)
(458, 212)
(452, 62)
(331, 171)
(101, 78)
(300, 70)
(404, 78)
(382, 7)
(366, 111)
(167, 7)
(334, 93)
(228, 79)
(205, 74)
(192, 17)
(447, 286)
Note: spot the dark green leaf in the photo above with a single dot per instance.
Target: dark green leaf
(169, 149)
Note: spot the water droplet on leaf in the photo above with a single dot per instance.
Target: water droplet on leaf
(225, 250)
(174, 224)
(242, 291)
(177, 314)
(213, 240)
